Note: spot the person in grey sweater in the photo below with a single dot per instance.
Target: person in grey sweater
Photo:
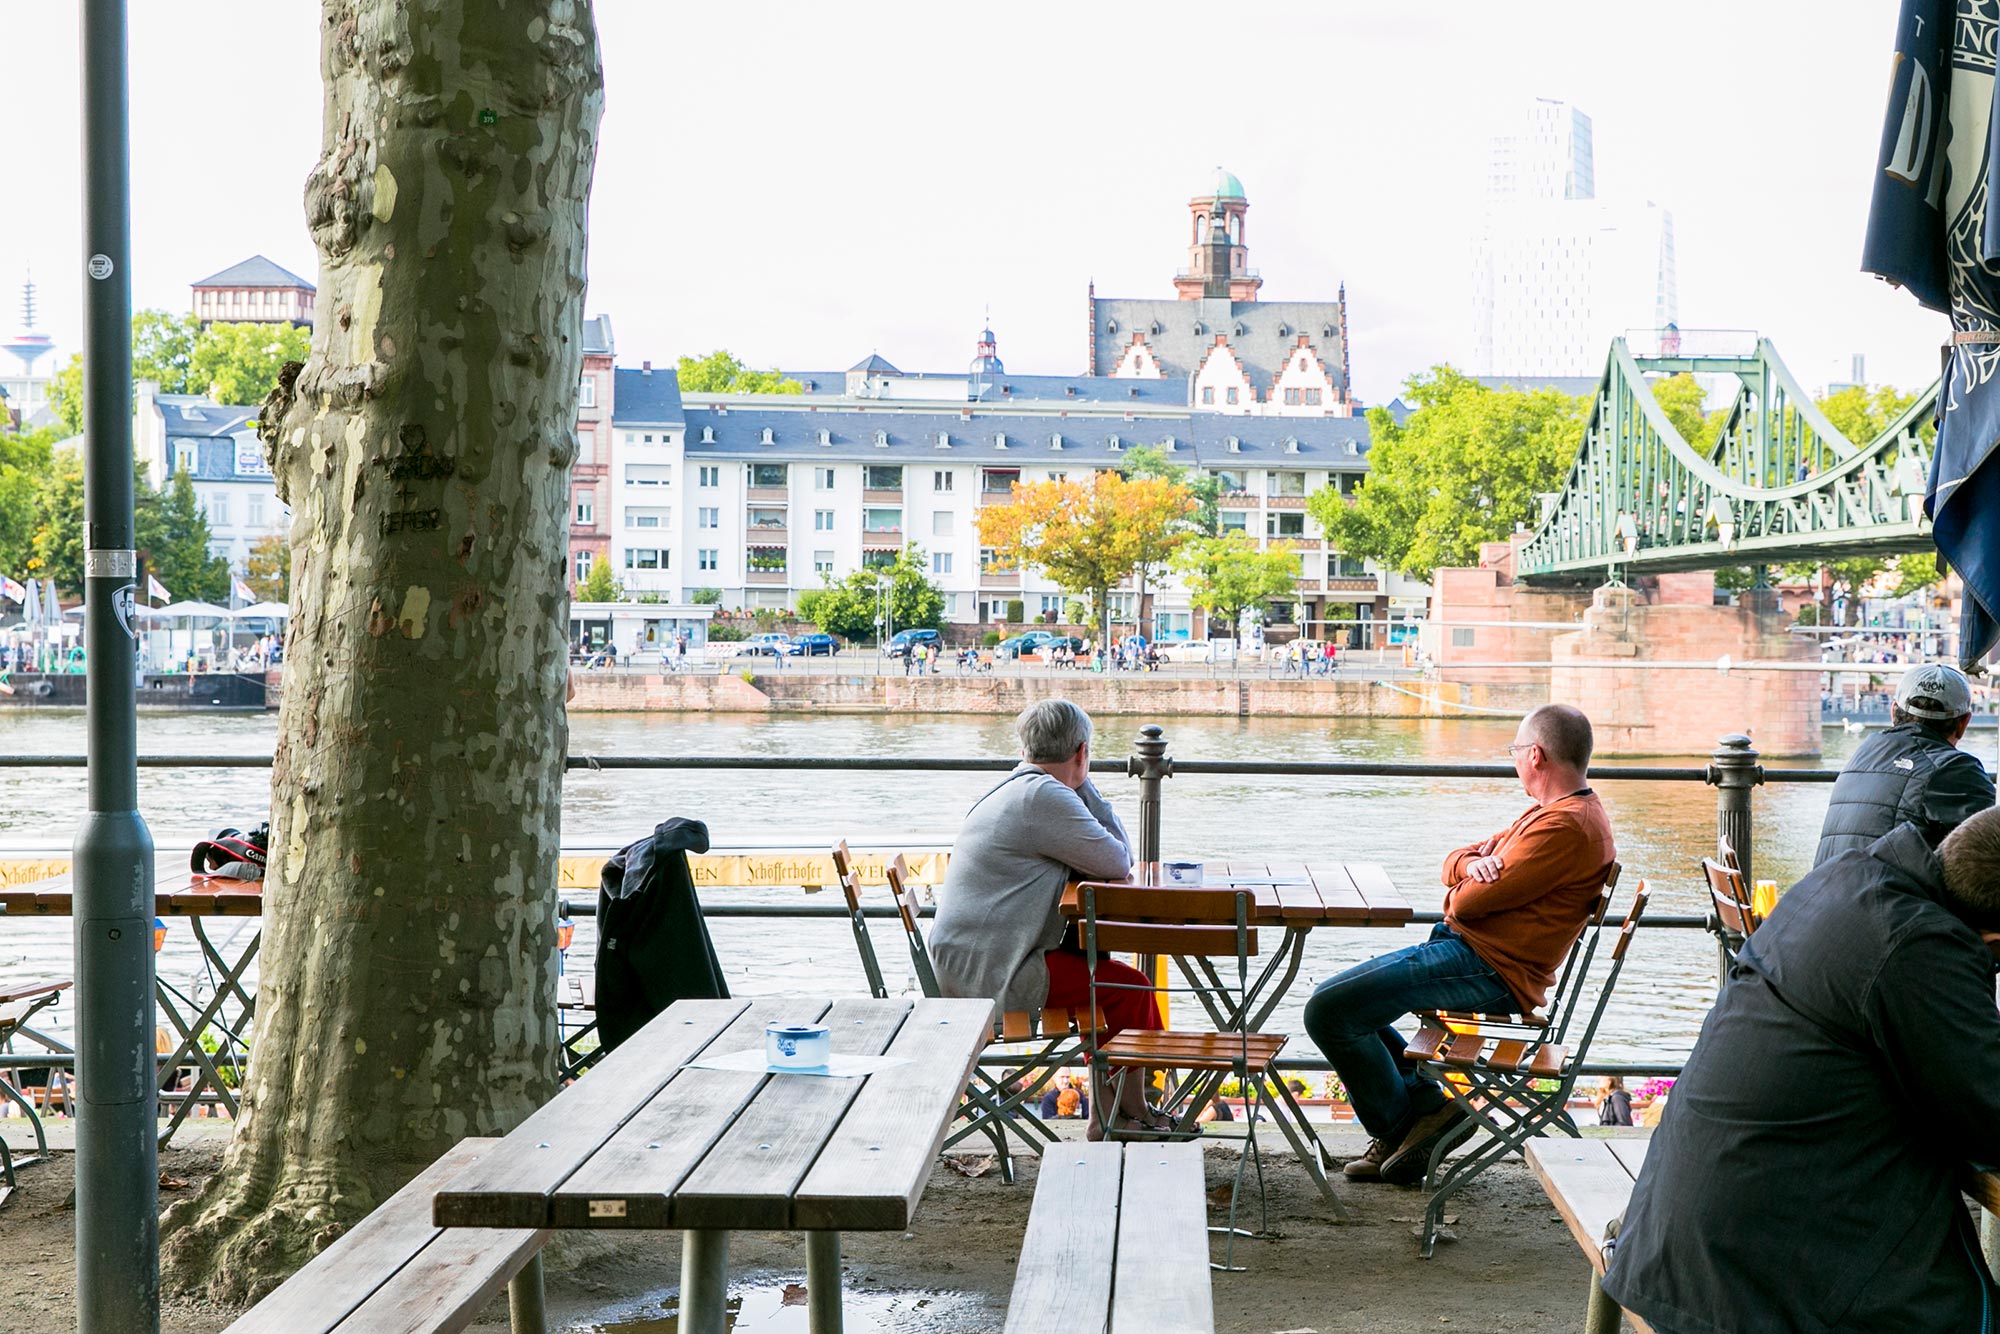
(999, 931)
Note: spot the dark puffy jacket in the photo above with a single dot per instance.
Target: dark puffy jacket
(1804, 1177)
(1902, 775)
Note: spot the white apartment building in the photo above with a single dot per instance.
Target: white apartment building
(1557, 272)
(223, 457)
(764, 497)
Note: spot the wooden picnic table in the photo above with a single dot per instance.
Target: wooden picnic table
(1297, 897)
(178, 892)
(646, 1140)
(19, 1000)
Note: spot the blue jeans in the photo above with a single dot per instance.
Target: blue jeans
(1350, 1018)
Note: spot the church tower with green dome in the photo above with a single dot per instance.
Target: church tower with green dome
(1218, 258)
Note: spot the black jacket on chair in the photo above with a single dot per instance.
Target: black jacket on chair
(652, 946)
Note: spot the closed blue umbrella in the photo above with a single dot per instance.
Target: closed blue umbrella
(1930, 230)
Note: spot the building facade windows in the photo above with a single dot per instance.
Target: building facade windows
(648, 474)
(998, 481)
(823, 563)
(941, 523)
(586, 392)
(882, 520)
(711, 474)
(585, 511)
(881, 477)
(645, 558)
(822, 521)
(941, 481)
(256, 516)
(761, 517)
(708, 516)
(1287, 523)
(769, 474)
(940, 562)
(1207, 394)
(822, 479)
(583, 561)
(1229, 394)
(1285, 484)
(705, 559)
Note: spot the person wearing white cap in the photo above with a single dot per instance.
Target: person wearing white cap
(1911, 772)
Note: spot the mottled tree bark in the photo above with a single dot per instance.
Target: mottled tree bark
(409, 945)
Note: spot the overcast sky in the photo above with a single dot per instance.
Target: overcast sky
(807, 183)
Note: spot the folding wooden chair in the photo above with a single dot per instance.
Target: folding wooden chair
(1204, 924)
(850, 889)
(1733, 915)
(1513, 1077)
(992, 1109)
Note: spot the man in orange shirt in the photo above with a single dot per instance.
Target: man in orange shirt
(1514, 905)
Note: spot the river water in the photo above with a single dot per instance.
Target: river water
(1408, 825)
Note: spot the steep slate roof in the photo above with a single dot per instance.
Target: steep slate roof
(874, 365)
(191, 415)
(1324, 442)
(255, 271)
(1270, 331)
(597, 336)
(646, 398)
(1003, 389)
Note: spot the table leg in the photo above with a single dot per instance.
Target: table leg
(704, 1282)
(525, 1309)
(1603, 1315)
(823, 1282)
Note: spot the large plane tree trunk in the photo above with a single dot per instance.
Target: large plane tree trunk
(406, 998)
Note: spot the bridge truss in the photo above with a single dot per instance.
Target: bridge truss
(1776, 484)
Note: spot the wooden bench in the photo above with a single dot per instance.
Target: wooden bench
(1117, 1240)
(1590, 1181)
(18, 1003)
(397, 1273)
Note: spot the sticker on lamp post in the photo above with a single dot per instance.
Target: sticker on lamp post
(100, 267)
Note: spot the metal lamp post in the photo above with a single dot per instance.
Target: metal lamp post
(117, 1158)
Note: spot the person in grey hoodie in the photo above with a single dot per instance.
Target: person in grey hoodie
(1000, 932)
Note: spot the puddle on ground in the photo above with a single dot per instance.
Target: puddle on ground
(780, 1308)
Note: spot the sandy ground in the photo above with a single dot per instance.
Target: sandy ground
(1511, 1268)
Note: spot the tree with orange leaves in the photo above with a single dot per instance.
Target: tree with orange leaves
(1092, 535)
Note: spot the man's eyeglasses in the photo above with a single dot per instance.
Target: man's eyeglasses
(1521, 745)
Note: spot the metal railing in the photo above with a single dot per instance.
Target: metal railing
(1733, 770)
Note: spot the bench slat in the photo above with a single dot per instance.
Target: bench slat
(446, 1287)
(1162, 1285)
(391, 1239)
(512, 1189)
(1063, 1283)
(887, 1141)
(638, 1168)
(1588, 1185)
(747, 1180)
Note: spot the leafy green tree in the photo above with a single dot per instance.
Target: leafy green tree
(66, 395)
(1226, 573)
(706, 597)
(1916, 571)
(1681, 397)
(239, 363)
(1205, 487)
(56, 549)
(1861, 413)
(25, 460)
(268, 568)
(1844, 580)
(600, 585)
(721, 373)
(173, 535)
(1465, 468)
(849, 606)
(163, 346)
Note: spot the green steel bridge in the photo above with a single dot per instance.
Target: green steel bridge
(1777, 483)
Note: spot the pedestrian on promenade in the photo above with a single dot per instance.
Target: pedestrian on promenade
(1513, 906)
(1806, 1172)
(1000, 932)
(1911, 771)
(1615, 1108)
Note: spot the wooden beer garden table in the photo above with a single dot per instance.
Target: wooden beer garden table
(1295, 896)
(179, 893)
(646, 1139)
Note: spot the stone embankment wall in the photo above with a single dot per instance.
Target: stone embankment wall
(1110, 696)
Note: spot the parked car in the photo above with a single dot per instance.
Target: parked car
(1028, 641)
(773, 642)
(812, 646)
(902, 641)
